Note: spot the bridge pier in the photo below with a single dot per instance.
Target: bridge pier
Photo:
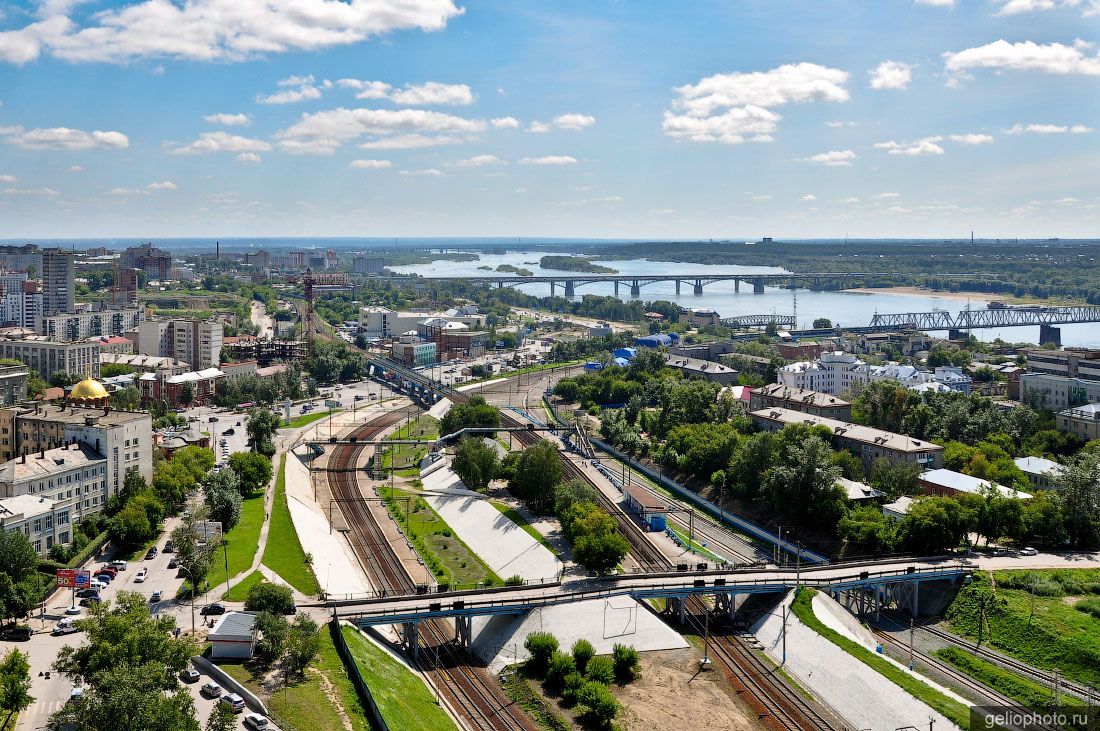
(698, 287)
(678, 605)
(956, 334)
(677, 287)
(410, 638)
(758, 286)
(569, 289)
(464, 631)
(616, 287)
(737, 285)
(500, 285)
(552, 285)
(1050, 334)
(635, 289)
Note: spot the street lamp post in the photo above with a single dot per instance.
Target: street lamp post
(191, 578)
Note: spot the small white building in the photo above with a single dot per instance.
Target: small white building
(1041, 472)
(857, 491)
(897, 509)
(233, 637)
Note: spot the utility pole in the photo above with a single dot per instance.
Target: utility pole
(706, 639)
(911, 623)
(784, 633)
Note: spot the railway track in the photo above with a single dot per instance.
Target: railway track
(471, 691)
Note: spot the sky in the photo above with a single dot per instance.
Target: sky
(562, 118)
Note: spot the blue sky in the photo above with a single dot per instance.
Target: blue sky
(913, 118)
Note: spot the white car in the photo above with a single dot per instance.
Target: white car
(1029, 551)
(256, 722)
(141, 576)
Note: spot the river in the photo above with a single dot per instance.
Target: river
(844, 308)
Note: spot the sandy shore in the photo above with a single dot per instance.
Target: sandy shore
(976, 297)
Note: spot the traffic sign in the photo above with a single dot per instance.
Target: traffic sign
(331, 404)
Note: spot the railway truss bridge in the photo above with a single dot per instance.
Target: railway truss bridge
(958, 325)
(874, 585)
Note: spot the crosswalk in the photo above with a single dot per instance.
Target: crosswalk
(36, 717)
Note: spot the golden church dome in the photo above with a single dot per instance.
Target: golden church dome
(89, 389)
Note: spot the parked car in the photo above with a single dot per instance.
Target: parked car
(1029, 551)
(151, 553)
(73, 610)
(234, 701)
(213, 609)
(103, 578)
(85, 593)
(107, 569)
(189, 675)
(141, 575)
(256, 722)
(359, 397)
(97, 585)
(173, 562)
(64, 626)
(156, 597)
(229, 432)
(118, 565)
(90, 600)
(169, 546)
(211, 690)
(17, 633)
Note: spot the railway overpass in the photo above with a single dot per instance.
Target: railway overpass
(874, 585)
(570, 281)
(957, 325)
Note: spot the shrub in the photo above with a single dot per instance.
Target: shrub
(600, 706)
(601, 670)
(265, 597)
(514, 580)
(542, 646)
(625, 660)
(571, 686)
(1089, 606)
(561, 666)
(582, 653)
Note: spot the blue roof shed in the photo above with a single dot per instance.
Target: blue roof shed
(628, 353)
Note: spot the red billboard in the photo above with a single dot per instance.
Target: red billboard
(73, 578)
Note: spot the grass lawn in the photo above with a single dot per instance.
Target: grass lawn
(406, 457)
(303, 419)
(444, 554)
(305, 703)
(951, 709)
(1059, 636)
(239, 591)
(138, 554)
(284, 554)
(1024, 691)
(513, 515)
(242, 542)
(403, 699)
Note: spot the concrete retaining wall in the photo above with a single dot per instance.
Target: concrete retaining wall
(373, 714)
(226, 680)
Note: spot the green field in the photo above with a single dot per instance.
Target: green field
(241, 544)
(1022, 690)
(406, 457)
(951, 709)
(304, 703)
(304, 419)
(514, 515)
(284, 554)
(403, 699)
(1058, 637)
(240, 590)
(445, 555)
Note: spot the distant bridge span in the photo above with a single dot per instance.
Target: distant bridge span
(1045, 317)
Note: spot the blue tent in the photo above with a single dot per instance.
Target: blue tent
(628, 353)
(653, 341)
(593, 366)
(622, 362)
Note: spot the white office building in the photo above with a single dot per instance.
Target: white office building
(840, 373)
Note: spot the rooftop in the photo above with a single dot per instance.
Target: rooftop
(685, 363)
(1088, 411)
(72, 414)
(967, 483)
(857, 490)
(1038, 465)
(233, 626)
(25, 505)
(855, 432)
(155, 362)
(801, 395)
(38, 464)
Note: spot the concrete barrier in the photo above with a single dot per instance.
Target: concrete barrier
(226, 680)
(375, 715)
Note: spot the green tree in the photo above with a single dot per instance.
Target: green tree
(538, 472)
(17, 556)
(567, 494)
(15, 682)
(894, 479)
(933, 525)
(802, 486)
(261, 426)
(127, 399)
(540, 646)
(273, 631)
(267, 597)
(867, 530)
(187, 394)
(253, 469)
(130, 527)
(582, 653)
(222, 718)
(474, 413)
(600, 669)
(851, 466)
(475, 462)
(600, 706)
(822, 322)
(1079, 489)
(561, 665)
(625, 659)
(303, 643)
(597, 544)
(223, 497)
(126, 698)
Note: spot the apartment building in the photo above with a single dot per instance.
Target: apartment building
(840, 373)
(66, 327)
(1084, 421)
(58, 282)
(156, 263)
(1046, 391)
(776, 395)
(46, 356)
(13, 384)
(191, 341)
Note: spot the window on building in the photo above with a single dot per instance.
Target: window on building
(38, 546)
(63, 517)
(63, 537)
(37, 525)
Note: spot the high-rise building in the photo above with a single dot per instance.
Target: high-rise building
(69, 326)
(21, 258)
(125, 290)
(58, 281)
(20, 300)
(46, 356)
(192, 341)
(368, 265)
(157, 263)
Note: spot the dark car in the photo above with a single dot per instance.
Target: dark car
(169, 547)
(151, 553)
(85, 593)
(173, 562)
(229, 432)
(90, 600)
(18, 633)
(213, 609)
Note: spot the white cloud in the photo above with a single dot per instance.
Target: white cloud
(884, 196)
(662, 211)
(8, 178)
(411, 142)
(478, 161)
(504, 123)
(370, 164)
(1015, 7)
(215, 30)
(833, 158)
(1067, 201)
(549, 160)
(42, 192)
(75, 169)
(123, 192)
(891, 75)
(366, 89)
(808, 197)
(834, 123)
(574, 121)
(972, 139)
(538, 127)
(290, 96)
(915, 148)
(322, 132)
(296, 80)
(1047, 129)
(849, 200)
(63, 138)
(1051, 58)
(209, 142)
(163, 185)
(429, 172)
(734, 108)
(937, 3)
(249, 158)
(433, 93)
(229, 120)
